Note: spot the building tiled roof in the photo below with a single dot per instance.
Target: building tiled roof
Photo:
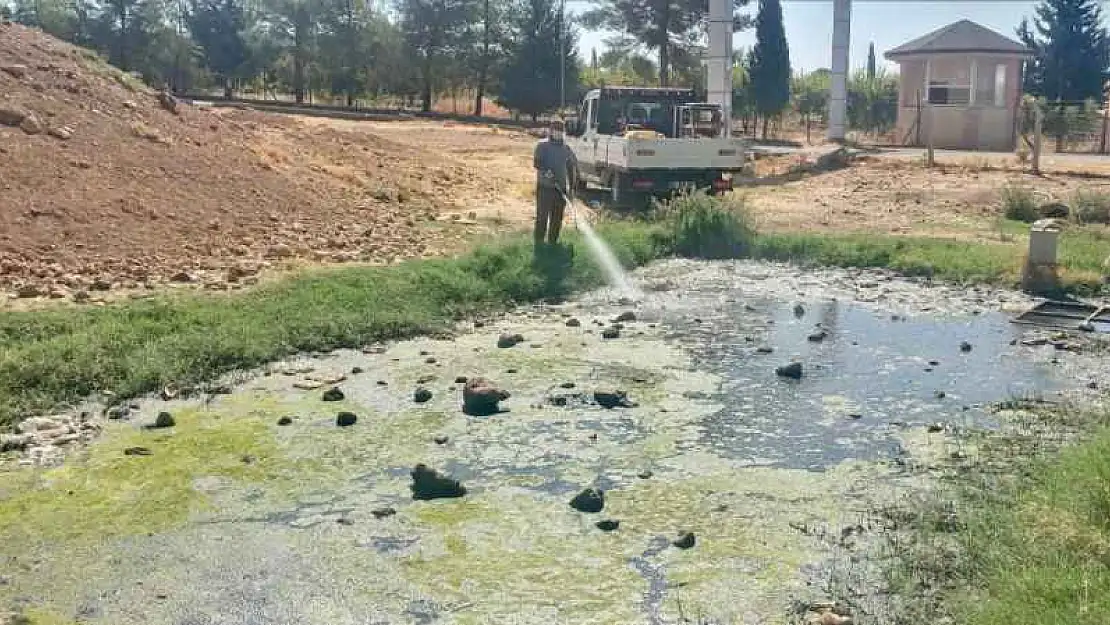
(962, 37)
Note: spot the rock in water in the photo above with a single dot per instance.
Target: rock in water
(611, 332)
(799, 310)
(965, 346)
(333, 394)
(421, 395)
(612, 399)
(137, 451)
(625, 316)
(686, 540)
(818, 336)
(608, 525)
(509, 340)
(428, 484)
(481, 398)
(591, 500)
(285, 421)
(381, 513)
(792, 371)
(346, 419)
(573, 323)
(164, 420)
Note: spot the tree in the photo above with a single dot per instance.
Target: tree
(1030, 76)
(490, 53)
(669, 28)
(770, 64)
(217, 27)
(345, 45)
(873, 102)
(810, 93)
(871, 60)
(434, 30)
(1072, 50)
(530, 82)
(1071, 56)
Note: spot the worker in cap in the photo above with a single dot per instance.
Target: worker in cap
(555, 166)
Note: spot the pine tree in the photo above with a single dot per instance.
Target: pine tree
(871, 60)
(1070, 64)
(669, 28)
(770, 68)
(217, 27)
(1072, 51)
(530, 81)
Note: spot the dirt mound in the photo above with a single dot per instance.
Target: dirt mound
(104, 185)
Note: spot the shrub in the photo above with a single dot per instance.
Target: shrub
(704, 226)
(1091, 206)
(1019, 204)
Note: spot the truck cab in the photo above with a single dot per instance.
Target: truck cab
(640, 142)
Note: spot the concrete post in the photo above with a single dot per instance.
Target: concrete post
(719, 60)
(838, 91)
(1038, 122)
(929, 156)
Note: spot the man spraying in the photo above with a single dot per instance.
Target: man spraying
(554, 163)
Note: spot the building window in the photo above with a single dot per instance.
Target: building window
(944, 92)
(1000, 85)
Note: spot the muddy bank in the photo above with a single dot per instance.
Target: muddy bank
(239, 515)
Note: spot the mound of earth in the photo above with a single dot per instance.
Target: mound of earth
(105, 186)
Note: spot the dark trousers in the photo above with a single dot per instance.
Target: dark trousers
(550, 206)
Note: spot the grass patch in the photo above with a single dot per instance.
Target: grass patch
(49, 359)
(1019, 203)
(1039, 553)
(947, 259)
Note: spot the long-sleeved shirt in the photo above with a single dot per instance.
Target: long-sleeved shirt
(557, 158)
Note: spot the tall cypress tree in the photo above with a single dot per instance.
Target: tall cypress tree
(770, 64)
(871, 60)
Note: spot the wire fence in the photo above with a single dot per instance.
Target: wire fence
(1066, 127)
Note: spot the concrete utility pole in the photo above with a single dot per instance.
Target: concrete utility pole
(562, 58)
(719, 60)
(838, 92)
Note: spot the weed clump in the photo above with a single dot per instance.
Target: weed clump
(703, 226)
(1019, 204)
(1091, 206)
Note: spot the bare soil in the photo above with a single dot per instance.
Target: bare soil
(899, 196)
(109, 190)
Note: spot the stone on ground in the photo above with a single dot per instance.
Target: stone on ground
(346, 419)
(591, 500)
(481, 398)
(792, 371)
(428, 484)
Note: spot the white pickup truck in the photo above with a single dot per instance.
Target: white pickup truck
(642, 142)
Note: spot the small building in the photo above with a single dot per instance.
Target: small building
(964, 80)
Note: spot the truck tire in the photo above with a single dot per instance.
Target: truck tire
(579, 181)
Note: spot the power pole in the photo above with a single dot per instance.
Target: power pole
(562, 58)
(838, 88)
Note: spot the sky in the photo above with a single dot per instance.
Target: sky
(887, 23)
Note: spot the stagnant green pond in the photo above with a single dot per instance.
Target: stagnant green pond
(234, 519)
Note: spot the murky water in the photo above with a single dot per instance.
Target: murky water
(236, 520)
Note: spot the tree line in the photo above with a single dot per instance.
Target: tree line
(522, 53)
